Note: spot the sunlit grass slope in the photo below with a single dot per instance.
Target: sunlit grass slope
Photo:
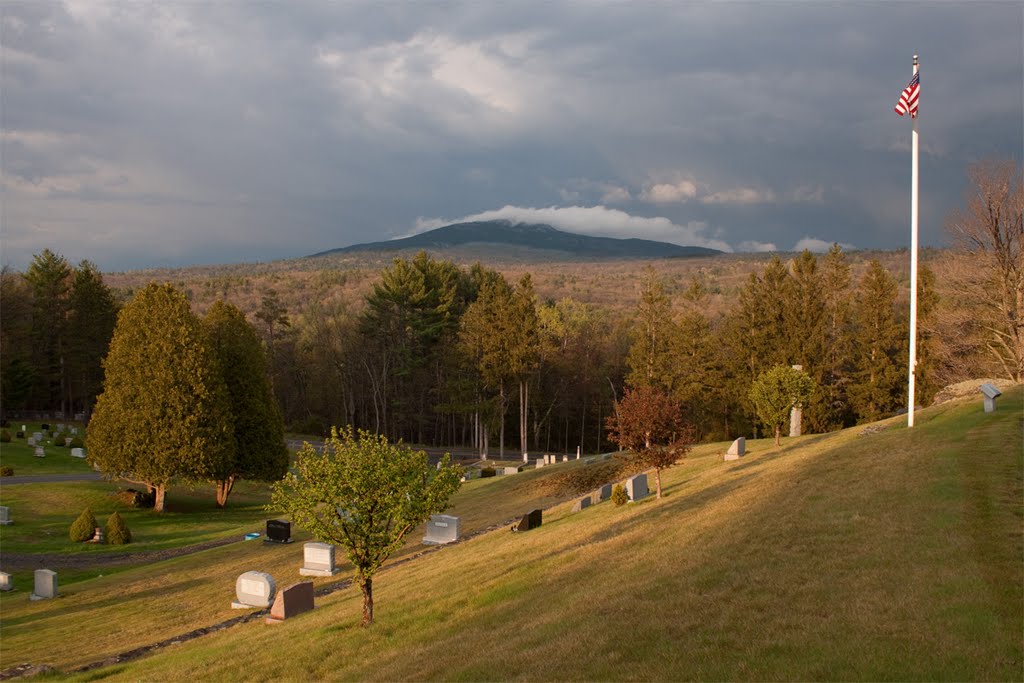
(889, 556)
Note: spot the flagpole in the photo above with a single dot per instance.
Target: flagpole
(912, 365)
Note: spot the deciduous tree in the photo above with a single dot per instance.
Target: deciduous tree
(776, 392)
(364, 494)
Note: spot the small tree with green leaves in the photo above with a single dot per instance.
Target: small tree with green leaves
(364, 494)
(619, 495)
(776, 392)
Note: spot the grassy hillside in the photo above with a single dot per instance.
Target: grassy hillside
(888, 555)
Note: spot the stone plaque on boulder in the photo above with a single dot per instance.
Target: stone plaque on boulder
(254, 590)
(45, 585)
(292, 601)
(636, 487)
(581, 504)
(737, 449)
(278, 531)
(529, 521)
(442, 529)
(318, 560)
(5, 515)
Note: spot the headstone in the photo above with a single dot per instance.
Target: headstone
(511, 470)
(31, 441)
(97, 536)
(45, 585)
(24, 428)
(581, 504)
(636, 487)
(565, 458)
(529, 521)
(991, 393)
(278, 531)
(318, 560)
(737, 449)
(74, 431)
(604, 493)
(60, 428)
(442, 529)
(77, 453)
(39, 452)
(540, 463)
(253, 590)
(37, 436)
(5, 515)
(67, 441)
(292, 601)
(5, 582)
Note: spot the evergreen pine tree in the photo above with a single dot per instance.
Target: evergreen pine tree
(879, 345)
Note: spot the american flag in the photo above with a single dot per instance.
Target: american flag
(909, 97)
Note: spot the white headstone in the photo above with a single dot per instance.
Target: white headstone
(636, 487)
(737, 449)
(565, 458)
(540, 463)
(254, 590)
(5, 515)
(5, 582)
(74, 430)
(511, 470)
(45, 585)
(39, 452)
(38, 436)
(77, 453)
(991, 393)
(442, 529)
(318, 560)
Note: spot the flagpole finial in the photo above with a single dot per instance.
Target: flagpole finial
(915, 60)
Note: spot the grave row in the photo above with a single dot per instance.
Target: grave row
(636, 489)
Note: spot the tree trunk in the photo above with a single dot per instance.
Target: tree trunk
(778, 434)
(501, 434)
(224, 487)
(657, 481)
(367, 586)
(158, 501)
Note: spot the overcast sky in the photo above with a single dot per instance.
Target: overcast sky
(178, 133)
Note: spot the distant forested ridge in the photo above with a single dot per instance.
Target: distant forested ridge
(530, 236)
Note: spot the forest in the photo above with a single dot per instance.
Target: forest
(511, 356)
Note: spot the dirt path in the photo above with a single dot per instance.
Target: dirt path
(91, 560)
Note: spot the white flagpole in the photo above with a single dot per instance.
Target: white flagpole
(912, 366)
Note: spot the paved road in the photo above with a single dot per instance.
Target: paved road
(44, 478)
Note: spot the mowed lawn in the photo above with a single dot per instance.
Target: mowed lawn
(886, 556)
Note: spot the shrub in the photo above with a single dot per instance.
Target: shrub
(5, 436)
(84, 527)
(619, 495)
(137, 499)
(487, 472)
(44, 427)
(19, 435)
(117, 530)
(6, 471)
(76, 442)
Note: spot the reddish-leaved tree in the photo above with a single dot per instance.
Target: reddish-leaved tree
(649, 423)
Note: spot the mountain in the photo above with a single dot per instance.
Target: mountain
(529, 236)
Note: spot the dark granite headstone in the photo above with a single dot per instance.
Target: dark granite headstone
(293, 600)
(278, 531)
(530, 521)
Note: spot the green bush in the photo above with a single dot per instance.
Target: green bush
(6, 471)
(20, 435)
(84, 527)
(619, 495)
(117, 530)
(76, 442)
(487, 472)
(5, 436)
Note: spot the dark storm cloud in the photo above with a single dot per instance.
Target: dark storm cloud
(139, 135)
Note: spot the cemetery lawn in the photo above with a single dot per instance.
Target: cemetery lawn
(19, 456)
(893, 555)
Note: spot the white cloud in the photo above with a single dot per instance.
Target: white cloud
(614, 194)
(755, 246)
(740, 195)
(818, 246)
(670, 193)
(593, 220)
